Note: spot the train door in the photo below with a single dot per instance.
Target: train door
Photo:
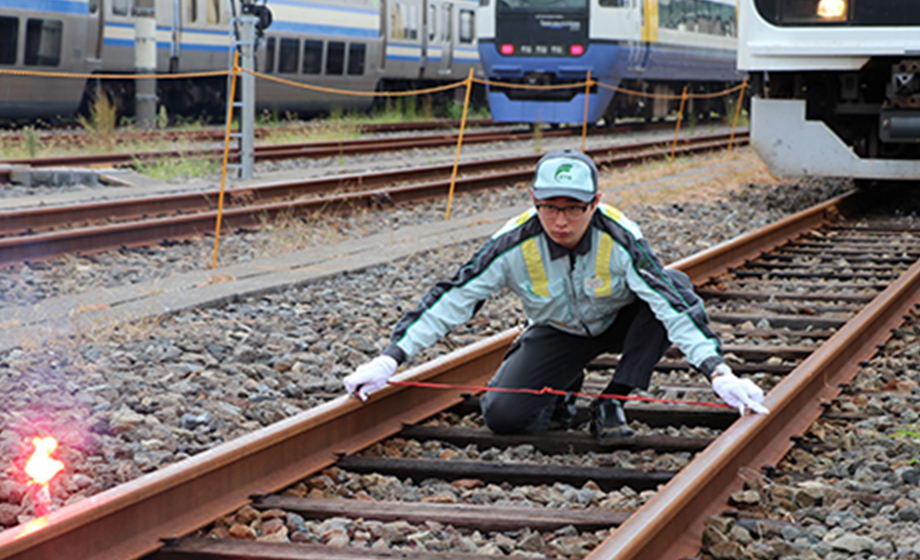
(431, 51)
(446, 28)
(94, 27)
(638, 33)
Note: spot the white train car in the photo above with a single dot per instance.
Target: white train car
(355, 45)
(836, 86)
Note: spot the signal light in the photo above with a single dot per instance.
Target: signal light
(507, 49)
(577, 50)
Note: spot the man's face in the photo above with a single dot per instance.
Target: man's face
(565, 219)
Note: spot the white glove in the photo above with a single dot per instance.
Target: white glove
(742, 394)
(370, 376)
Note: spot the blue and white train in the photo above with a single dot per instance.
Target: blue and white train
(363, 45)
(650, 46)
(836, 86)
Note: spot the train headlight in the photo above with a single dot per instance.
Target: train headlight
(507, 49)
(577, 50)
(813, 11)
(832, 10)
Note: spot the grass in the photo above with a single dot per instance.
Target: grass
(178, 167)
(100, 125)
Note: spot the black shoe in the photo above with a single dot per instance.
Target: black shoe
(609, 425)
(564, 412)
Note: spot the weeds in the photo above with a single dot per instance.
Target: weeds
(162, 118)
(904, 432)
(100, 124)
(177, 167)
(32, 140)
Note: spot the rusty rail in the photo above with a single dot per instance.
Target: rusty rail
(129, 521)
(187, 215)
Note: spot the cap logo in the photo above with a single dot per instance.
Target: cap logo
(564, 173)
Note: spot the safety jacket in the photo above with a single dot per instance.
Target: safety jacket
(578, 291)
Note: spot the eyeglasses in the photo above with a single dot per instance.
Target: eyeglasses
(571, 212)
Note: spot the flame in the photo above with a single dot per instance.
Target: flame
(41, 467)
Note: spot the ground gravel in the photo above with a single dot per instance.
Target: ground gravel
(129, 399)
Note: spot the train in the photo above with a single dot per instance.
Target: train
(836, 86)
(653, 47)
(359, 45)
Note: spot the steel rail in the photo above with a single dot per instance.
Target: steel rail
(217, 135)
(326, 148)
(130, 520)
(51, 217)
(671, 524)
(139, 233)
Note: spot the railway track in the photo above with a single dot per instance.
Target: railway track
(800, 304)
(314, 149)
(45, 232)
(81, 138)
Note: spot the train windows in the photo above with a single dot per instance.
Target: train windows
(467, 26)
(93, 6)
(121, 7)
(213, 14)
(697, 16)
(412, 23)
(312, 56)
(335, 58)
(287, 56)
(43, 42)
(270, 55)
(614, 3)
(396, 21)
(192, 11)
(9, 36)
(483, 3)
(432, 22)
(356, 53)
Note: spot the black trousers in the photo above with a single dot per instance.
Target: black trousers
(544, 356)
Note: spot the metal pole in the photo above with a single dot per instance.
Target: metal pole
(223, 174)
(731, 139)
(145, 62)
(453, 175)
(680, 116)
(248, 97)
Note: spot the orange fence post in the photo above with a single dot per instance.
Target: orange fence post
(680, 115)
(584, 124)
(453, 175)
(223, 174)
(731, 139)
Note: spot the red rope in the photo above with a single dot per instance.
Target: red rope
(551, 391)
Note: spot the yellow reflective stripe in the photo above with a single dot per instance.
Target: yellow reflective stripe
(523, 217)
(612, 213)
(602, 266)
(538, 281)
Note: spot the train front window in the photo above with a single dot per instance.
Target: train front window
(541, 4)
(9, 36)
